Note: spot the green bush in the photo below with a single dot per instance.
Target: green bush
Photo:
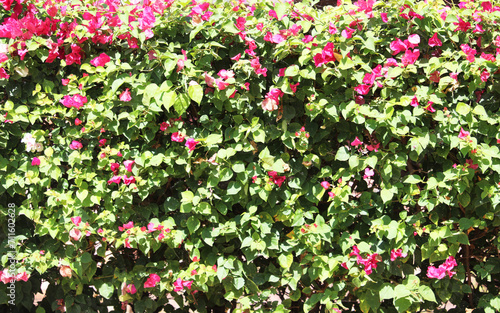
(250, 156)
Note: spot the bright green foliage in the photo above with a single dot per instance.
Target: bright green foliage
(290, 167)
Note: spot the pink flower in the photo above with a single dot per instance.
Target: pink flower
(362, 89)
(179, 284)
(438, 273)
(414, 102)
(434, 41)
(177, 137)
(191, 143)
(236, 57)
(101, 60)
(484, 76)
(75, 145)
(130, 289)
(463, 134)
(115, 179)
(347, 32)
(114, 167)
(193, 272)
(410, 57)
(128, 180)
(125, 96)
(430, 108)
(22, 276)
(325, 184)
(77, 101)
(77, 121)
(128, 165)
(397, 254)
(76, 220)
(293, 87)
(152, 280)
(75, 234)
(102, 142)
(356, 142)
(368, 172)
(240, 23)
(35, 161)
(414, 40)
(259, 26)
(331, 194)
(373, 147)
(384, 18)
(65, 82)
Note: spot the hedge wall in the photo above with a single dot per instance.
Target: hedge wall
(249, 156)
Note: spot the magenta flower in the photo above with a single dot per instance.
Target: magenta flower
(164, 126)
(240, 23)
(76, 220)
(76, 101)
(128, 180)
(430, 108)
(177, 137)
(471, 164)
(443, 269)
(191, 143)
(101, 60)
(414, 102)
(397, 254)
(356, 142)
(325, 184)
(115, 179)
(128, 165)
(484, 76)
(347, 32)
(463, 134)
(102, 142)
(179, 284)
(130, 289)
(75, 145)
(35, 161)
(278, 180)
(125, 96)
(114, 167)
(151, 281)
(384, 18)
(362, 89)
(434, 41)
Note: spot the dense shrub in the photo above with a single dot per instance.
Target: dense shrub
(250, 155)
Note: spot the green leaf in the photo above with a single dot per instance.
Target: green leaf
(463, 108)
(285, 260)
(82, 195)
(193, 223)
(386, 195)
(387, 292)
(106, 290)
(181, 103)
(195, 93)
(292, 70)
(342, 154)
(427, 293)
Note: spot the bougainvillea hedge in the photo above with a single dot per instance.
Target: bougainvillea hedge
(250, 156)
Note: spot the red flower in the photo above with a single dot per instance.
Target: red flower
(191, 143)
(362, 89)
(278, 180)
(435, 77)
(484, 76)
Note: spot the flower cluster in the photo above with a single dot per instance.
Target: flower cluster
(443, 269)
(31, 144)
